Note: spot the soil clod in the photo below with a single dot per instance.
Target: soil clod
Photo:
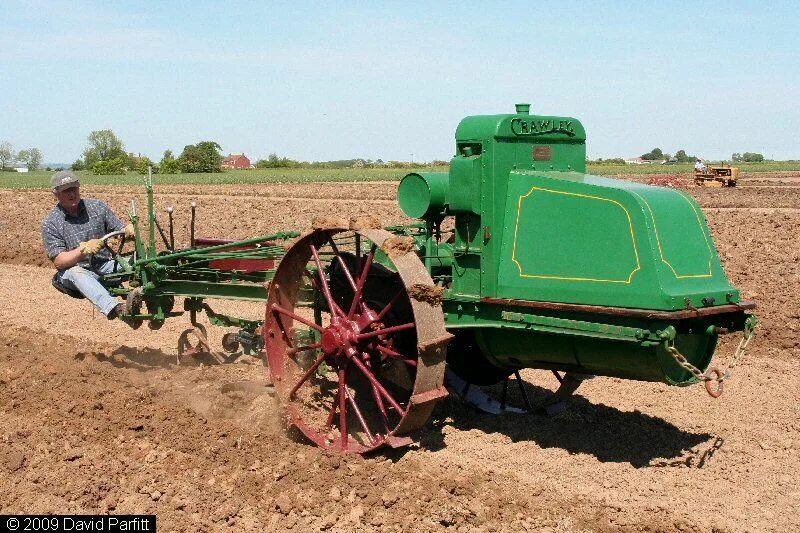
(397, 246)
(326, 222)
(365, 222)
(430, 294)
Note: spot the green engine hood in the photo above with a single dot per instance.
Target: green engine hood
(578, 238)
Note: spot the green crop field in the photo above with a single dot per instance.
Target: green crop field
(41, 178)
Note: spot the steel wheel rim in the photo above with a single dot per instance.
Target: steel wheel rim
(356, 350)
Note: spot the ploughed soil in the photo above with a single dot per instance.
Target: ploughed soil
(96, 417)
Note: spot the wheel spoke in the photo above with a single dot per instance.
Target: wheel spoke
(361, 280)
(396, 355)
(304, 348)
(315, 302)
(377, 396)
(347, 273)
(385, 331)
(284, 332)
(371, 377)
(359, 416)
(324, 283)
(389, 305)
(277, 308)
(307, 374)
(312, 278)
(342, 407)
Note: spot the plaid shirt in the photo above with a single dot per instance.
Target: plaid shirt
(62, 232)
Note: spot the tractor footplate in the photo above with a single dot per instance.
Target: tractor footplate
(478, 398)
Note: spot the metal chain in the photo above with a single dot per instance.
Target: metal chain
(685, 364)
(713, 374)
(737, 354)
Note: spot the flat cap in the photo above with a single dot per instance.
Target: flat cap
(63, 180)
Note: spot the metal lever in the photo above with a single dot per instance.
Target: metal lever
(191, 227)
(171, 229)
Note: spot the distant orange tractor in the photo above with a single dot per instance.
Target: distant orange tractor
(716, 177)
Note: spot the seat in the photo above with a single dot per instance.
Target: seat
(56, 282)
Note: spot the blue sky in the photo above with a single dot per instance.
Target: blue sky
(321, 81)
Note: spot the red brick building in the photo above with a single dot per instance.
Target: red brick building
(236, 161)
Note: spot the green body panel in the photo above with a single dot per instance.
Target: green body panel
(465, 185)
(582, 239)
(516, 348)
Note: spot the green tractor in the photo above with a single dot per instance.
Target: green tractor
(519, 259)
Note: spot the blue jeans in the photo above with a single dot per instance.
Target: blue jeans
(87, 283)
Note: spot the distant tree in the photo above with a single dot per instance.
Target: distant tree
(683, 157)
(201, 157)
(110, 166)
(104, 145)
(273, 161)
(132, 161)
(751, 157)
(78, 165)
(736, 157)
(7, 155)
(32, 157)
(168, 164)
(653, 155)
(143, 163)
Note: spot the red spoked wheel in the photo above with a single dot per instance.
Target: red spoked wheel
(356, 361)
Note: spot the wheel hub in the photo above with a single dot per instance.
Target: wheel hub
(340, 337)
(331, 341)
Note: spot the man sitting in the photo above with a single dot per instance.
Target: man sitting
(699, 167)
(71, 233)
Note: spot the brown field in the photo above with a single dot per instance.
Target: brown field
(97, 417)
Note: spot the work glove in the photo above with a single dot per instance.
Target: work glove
(92, 246)
(129, 232)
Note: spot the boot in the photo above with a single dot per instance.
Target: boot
(116, 312)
